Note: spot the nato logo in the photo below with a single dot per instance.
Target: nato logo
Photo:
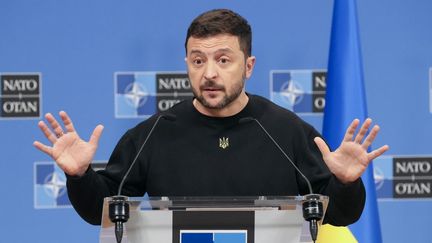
(213, 236)
(412, 177)
(20, 95)
(301, 91)
(142, 94)
(135, 95)
(49, 186)
(403, 177)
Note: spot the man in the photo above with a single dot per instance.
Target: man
(207, 151)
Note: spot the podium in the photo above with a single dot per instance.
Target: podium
(261, 219)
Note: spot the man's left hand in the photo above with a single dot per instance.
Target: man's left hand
(350, 160)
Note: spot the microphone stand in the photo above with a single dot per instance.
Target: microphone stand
(312, 207)
(119, 206)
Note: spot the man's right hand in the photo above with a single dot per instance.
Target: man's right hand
(72, 154)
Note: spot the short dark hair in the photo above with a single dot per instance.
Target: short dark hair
(222, 21)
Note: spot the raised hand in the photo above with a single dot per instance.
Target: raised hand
(350, 160)
(72, 154)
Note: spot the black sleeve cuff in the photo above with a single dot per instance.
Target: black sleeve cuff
(83, 177)
(346, 202)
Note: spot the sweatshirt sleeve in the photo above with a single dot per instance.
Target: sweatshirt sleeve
(87, 192)
(346, 201)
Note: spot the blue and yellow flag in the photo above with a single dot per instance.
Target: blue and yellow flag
(345, 101)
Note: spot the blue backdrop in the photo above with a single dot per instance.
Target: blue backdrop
(77, 46)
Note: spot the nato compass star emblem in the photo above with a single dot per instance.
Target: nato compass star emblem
(378, 177)
(292, 92)
(383, 177)
(136, 94)
(55, 185)
(50, 186)
(301, 91)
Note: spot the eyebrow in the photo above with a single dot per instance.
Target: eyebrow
(217, 51)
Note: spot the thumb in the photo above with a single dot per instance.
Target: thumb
(97, 132)
(322, 146)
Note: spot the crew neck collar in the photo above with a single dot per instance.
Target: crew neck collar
(245, 112)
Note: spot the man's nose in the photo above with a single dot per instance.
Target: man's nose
(210, 72)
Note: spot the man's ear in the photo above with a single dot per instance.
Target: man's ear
(250, 64)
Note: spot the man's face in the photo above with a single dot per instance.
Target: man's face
(217, 70)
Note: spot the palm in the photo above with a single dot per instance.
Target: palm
(350, 160)
(72, 154)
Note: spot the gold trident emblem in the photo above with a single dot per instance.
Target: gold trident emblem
(223, 142)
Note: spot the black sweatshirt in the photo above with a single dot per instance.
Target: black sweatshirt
(184, 158)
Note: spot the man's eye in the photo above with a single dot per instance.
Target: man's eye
(224, 60)
(197, 61)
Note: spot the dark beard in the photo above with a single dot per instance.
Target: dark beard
(227, 99)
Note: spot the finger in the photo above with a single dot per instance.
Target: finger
(377, 152)
(322, 146)
(44, 148)
(67, 121)
(351, 130)
(371, 137)
(363, 130)
(58, 130)
(97, 132)
(47, 132)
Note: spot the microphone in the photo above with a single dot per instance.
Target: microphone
(119, 207)
(312, 207)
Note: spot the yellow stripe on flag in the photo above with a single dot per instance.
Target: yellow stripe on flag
(332, 234)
